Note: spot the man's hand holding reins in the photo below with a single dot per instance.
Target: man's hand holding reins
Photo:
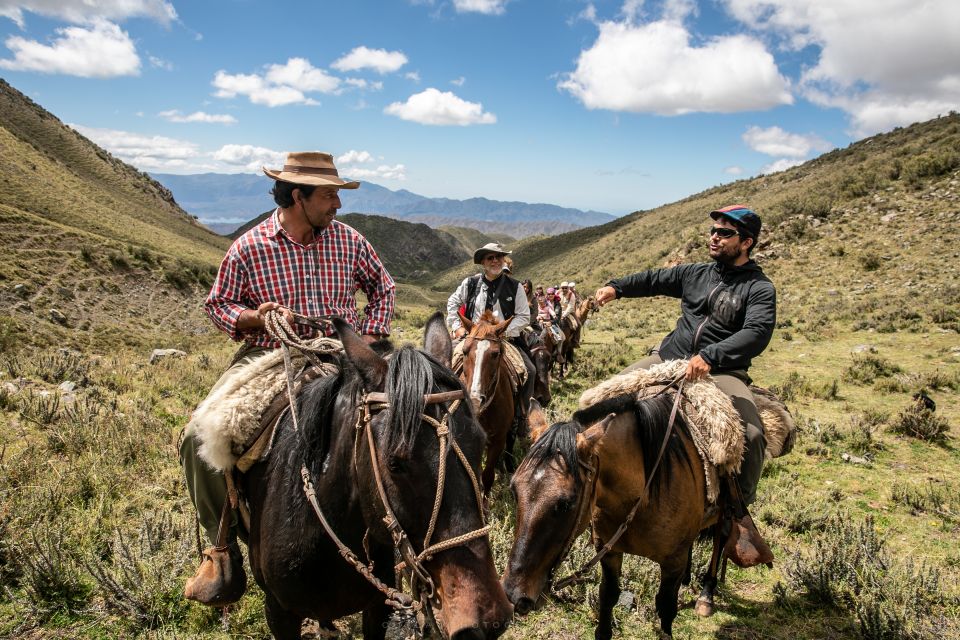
(256, 318)
(697, 368)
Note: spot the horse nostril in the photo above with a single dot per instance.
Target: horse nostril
(523, 606)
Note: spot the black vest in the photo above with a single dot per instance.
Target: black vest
(506, 295)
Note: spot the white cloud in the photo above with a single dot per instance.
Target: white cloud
(279, 85)
(147, 152)
(654, 68)
(779, 165)
(364, 85)
(174, 115)
(101, 51)
(733, 170)
(413, 76)
(379, 60)
(249, 157)
(459, 82)
(774, 141)
(488, 7)
(353, 156)
(160, 63)
(436, 107)
(382, 172)
(886, 62)
(85, 11)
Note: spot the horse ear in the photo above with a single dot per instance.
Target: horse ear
(436, 339)
(466, 322)
(588, 440)
(372, 368)
(537, 420)
(500, 328)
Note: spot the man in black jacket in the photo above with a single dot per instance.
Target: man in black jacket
(729, 309)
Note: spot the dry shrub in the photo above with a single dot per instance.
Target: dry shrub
(848, 568)
(939, 498)
(867, 367)
(917, 421)
(49, 575)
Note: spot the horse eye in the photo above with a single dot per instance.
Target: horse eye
(396, 465)
(563, 506)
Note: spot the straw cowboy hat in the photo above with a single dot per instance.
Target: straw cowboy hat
(312, 168)
(490, 247)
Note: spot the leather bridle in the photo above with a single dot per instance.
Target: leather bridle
(496, 378)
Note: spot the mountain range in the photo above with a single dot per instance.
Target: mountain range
(224, 202)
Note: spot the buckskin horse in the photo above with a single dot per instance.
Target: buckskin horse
(392, 452)
(486, 376)
(569, 477)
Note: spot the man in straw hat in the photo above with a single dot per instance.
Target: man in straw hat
(299, 260)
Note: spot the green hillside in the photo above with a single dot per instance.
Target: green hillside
(91, 237)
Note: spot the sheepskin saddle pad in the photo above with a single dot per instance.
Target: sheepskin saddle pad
(715, 426)
(518, 370)
(230, 416)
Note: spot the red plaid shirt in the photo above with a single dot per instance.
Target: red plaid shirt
(319, 279)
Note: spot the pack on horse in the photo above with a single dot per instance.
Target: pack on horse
(572, 327)
(486, 374)
(388, 451)
(635, 477)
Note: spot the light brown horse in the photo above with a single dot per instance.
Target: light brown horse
(570, 478)
(486, 376)
(571, 332)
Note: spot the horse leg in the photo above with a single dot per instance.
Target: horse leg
(704, 605)
(611, 564)
(670, 577)
(509, 462)
(284, 625)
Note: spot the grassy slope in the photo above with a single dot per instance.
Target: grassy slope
(65, 473)
(93, 238)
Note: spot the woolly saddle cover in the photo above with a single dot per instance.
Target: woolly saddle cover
(230, 414)
(714, 423)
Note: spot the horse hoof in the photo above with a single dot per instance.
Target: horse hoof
(704, 607)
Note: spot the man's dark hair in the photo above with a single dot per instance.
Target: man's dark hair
(744, 234)
(283, 192)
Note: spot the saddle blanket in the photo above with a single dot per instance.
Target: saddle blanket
(225, 421)
(715, 425)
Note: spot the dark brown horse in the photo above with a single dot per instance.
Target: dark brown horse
(382, 438)
(569, 477)
(486, 376)
(572, 327)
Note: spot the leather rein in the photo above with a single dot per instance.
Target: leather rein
(588, 497)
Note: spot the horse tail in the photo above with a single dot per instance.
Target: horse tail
(410, 376)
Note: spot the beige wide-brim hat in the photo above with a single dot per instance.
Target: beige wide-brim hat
(312, 168)
(490, 247)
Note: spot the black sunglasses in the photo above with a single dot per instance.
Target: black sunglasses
(724, 232)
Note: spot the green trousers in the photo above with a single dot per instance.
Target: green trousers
(756, 442)
(207, 487)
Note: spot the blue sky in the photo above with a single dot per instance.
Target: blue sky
(612, 106)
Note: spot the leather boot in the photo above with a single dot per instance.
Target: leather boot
(745, 546)
(221, 579)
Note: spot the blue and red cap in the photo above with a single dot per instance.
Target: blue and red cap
(744, 218)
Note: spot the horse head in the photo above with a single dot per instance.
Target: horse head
(553, 488)
(542, 357)
(483, 352)
(416, 459)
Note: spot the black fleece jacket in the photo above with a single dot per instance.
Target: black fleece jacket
(728, 313)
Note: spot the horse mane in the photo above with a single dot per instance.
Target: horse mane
(652, 416)
(412, 373)
(559, 438)
(315, 407)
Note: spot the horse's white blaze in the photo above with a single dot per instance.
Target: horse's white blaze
(478, 368)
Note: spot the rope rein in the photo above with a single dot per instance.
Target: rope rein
(417, 575)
